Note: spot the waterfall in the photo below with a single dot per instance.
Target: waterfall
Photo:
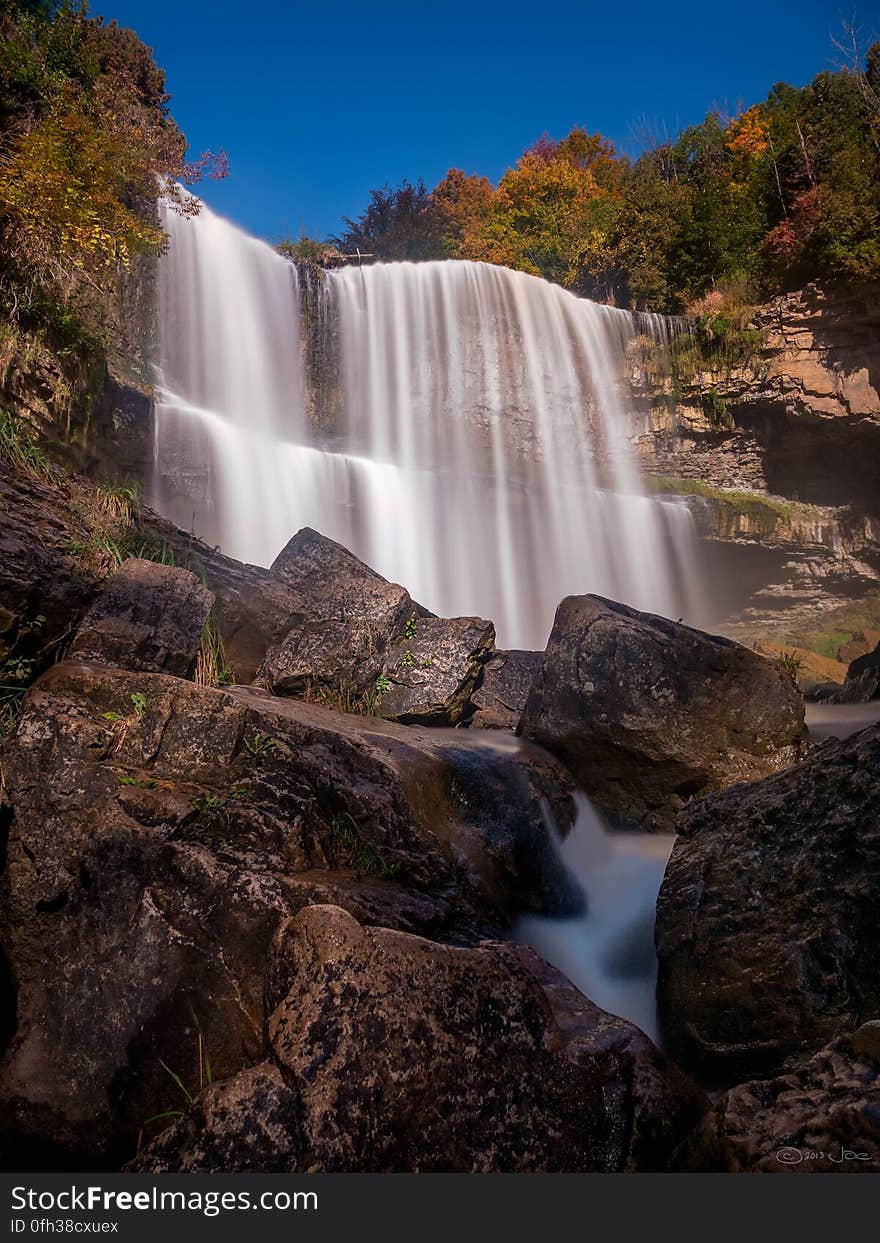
(608, 952)
(471, 443)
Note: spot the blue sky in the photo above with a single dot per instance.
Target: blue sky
(318, 103)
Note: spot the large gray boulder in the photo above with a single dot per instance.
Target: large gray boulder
(348, 619)
(433, 668)
(767, 931)
(362, 644)
(333, 583)
(147, 617)
(159, 831)
(648, 713)
(501, 696)
(400, 1054)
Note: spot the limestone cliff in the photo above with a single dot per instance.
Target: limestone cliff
(802, 420)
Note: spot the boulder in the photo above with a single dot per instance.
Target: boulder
(147, 617)
(337, 658)
(767, 932)
(648, 713)
(333, 583)
(433, 668)
(253, 608)
(862, 680)
(401, 1054)
(820, 1116)
(349, 618)
(158, 833)
(362, 644)
(499, 700)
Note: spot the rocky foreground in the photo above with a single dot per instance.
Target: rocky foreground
(255, 902)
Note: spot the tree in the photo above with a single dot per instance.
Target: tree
(461, 206)
(399, 223)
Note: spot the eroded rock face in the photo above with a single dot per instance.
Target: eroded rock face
(501, 697)
(767, 917)
(648, 713)
(147, 617)
(401, 1054)
(820, 1116)
(803, 420)
(158, 833)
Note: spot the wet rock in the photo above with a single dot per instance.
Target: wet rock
(403, 1054)
(499, 701)
(820, 1116)
(648, 713)
(433, 668)
(767, 917)
(158, 833)
(147, 617)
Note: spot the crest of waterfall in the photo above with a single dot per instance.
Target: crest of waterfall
(463, 428)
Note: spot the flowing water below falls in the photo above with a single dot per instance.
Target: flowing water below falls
(461, 427)
(608, 952)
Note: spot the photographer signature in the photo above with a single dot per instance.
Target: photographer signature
(794, 1156)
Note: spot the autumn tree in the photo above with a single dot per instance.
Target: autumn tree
(461, 206)
(86, 145)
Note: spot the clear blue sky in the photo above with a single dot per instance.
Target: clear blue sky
(317, 103)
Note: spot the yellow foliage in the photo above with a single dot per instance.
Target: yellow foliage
(748, 135)
(65, 189)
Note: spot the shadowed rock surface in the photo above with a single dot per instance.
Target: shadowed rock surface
(39, 578)
(767, 917)
(504, 689)
(390, 1052)
(821, 1116)
(155, 844)
(862, 680)
(648, 713)
(146, 617)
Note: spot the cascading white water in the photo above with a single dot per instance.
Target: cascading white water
(477, 450)
(608, 952)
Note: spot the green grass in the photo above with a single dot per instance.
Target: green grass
(753, 504)
(842, 625)
(349, 845)
(19, 448)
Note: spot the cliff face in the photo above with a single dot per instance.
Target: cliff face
(802, 421)
(90, 396)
